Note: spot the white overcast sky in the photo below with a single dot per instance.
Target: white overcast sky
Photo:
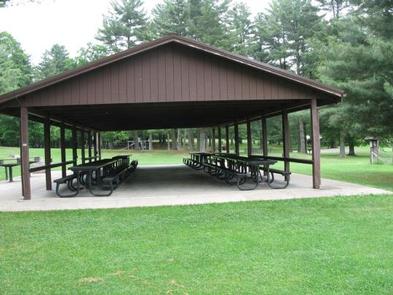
(72, 23)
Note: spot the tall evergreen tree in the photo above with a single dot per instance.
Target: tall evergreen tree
(282, 34)
(54, 61)
(240, 28)
(171, 16)
(125, 26)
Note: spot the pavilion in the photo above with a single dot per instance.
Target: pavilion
(171, 82)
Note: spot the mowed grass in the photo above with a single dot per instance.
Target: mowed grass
(311, 246)
(351, 169)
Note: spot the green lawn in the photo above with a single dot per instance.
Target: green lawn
(311, 246)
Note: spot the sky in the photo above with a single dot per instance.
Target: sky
(72, 23)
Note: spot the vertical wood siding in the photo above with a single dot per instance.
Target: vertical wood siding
(169, 73)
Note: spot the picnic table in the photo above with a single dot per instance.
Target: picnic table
(10, 165)
(105, 174)
(234, 169)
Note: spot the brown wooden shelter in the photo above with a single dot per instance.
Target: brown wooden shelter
(172, 82)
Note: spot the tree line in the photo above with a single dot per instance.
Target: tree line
(344, 43)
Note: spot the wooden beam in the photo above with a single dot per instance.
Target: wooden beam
(24, 152)
(237, 151)
(47, 154)
(285, 139)
(249, 139)
(316, 145)
(265, 150)
(219, 140)
(227, 144)
(74, 146)
(89, 144)
(83, 146)
(63, 150)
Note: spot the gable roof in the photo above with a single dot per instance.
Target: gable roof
(172, 38)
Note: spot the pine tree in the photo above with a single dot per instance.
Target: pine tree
(240, 28)
(172, 16)
(283, 32)
(54, 61)
(125, 26)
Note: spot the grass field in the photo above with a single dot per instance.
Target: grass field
(352, 169)
(311, 246)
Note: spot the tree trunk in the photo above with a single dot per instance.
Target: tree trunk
(351, 149)
(136, 140)
(342, 144)
(302, 138)
(150, 142)
(174, 139)
(202, 140)
(190, 139)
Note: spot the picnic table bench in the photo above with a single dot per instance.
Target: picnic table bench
(100, 177)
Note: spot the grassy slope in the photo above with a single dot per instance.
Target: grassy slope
(352, 169)
(313, 246)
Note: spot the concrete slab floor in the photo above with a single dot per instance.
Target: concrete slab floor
(169, 185)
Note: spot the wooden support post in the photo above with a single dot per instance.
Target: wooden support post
(24, 153)
(237, 151)
(47, 153)
(95, 145)
(99, 145)
(63, 150)
(83, 147)
(249, 139)
(89, 144)
(316, 146)
(74, 146)
(219, 140)
(285, 139)
(214, 139)
(264, 147)
(227, 144)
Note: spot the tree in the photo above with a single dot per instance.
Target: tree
(125, 26)
(171, 16)
(240, 29)
(206, 22)
(15, 72)
(334, 7)
(90, 53)
(283, 33)
(15, 66)
(54, 61)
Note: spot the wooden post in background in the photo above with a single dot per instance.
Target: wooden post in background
(24, 152)
(227, 144)
(249, 139)
(99, 145)
(285, 139)
(316, 145)
(83, 146)
(95, 145)
(74, 146)
(264, 147)
(214, 139)
(89, 144)
(219, 140)
(47, 153)
(63, 150)
(237, 151)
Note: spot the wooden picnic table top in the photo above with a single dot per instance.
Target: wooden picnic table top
(255, 161)
(93, 165)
